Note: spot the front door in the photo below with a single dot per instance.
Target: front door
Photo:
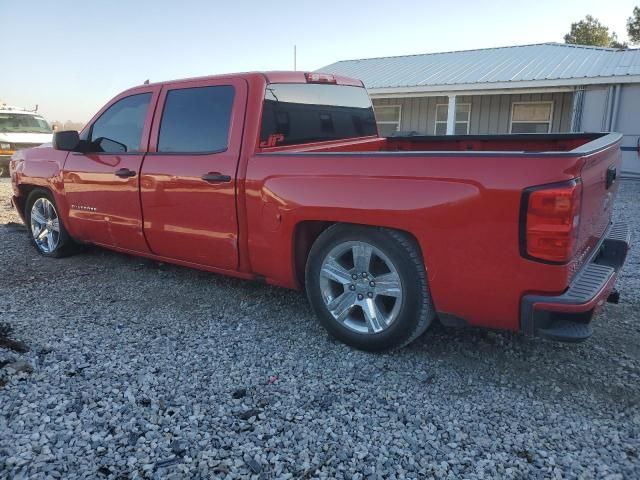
(102, 184)
(188, 187)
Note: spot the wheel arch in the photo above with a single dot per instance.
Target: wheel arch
(307, 232)
(25, 190)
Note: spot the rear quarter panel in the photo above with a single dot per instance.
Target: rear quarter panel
(463, 209)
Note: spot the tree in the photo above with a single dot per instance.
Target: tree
(591, 32)
(633, 26)
(616, 44)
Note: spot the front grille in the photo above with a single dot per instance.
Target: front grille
(21, 146)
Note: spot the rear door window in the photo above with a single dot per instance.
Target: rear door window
(196, 120)
(298, 113)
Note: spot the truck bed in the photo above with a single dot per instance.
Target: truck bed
(461, 194)
(456, 144)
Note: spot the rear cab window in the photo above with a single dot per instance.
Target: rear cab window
(299, 113)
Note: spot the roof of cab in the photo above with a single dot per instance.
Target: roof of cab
(269, 77)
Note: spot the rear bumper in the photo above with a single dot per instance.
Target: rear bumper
(567, 317)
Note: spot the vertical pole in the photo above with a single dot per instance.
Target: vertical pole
(616, 107)
(295, 60)
(451, 115)
(606, 119)
(576, 111)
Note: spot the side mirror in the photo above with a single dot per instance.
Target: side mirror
(104, 144)
(68, 140)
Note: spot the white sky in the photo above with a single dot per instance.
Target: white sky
(70, 57)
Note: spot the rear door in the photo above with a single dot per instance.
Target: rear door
(102, 185)
(188, 178)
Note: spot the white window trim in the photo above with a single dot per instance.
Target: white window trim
(435, 126)
(547, 102)
(390, 122)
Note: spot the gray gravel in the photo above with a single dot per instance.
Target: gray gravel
(145, 370)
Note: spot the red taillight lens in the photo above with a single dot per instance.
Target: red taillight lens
(319, 78)
(552, 220)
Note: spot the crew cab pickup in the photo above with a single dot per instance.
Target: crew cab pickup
(282, 177)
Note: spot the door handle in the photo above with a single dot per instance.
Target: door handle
(215, 177)
(125, 173)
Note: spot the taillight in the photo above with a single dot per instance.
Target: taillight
(550, 219)
(319, 78)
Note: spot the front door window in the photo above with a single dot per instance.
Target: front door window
(119, 128)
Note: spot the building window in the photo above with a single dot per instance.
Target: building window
(531, 117)
(388, 119)
(463, 118)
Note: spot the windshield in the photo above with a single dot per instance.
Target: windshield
(23, 123)
(297, 113)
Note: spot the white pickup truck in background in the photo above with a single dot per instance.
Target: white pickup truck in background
(20, 128)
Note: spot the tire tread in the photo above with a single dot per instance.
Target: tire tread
(427, 312)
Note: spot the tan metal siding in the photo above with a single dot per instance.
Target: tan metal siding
(627, 124)
(490, 114)
(594, 108)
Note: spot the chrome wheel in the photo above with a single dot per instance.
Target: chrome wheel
(361, 287)
(45, 225)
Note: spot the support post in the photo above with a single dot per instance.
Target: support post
(451, 115)
(616, 107)
(576, 111)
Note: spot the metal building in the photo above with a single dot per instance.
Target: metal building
(548, 87)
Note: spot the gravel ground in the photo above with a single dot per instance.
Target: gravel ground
(145, 370)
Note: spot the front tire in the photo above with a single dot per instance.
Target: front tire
(46, 229)
(368, 287)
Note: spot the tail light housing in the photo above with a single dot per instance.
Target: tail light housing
(549, 221)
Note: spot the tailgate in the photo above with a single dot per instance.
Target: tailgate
(600, 181)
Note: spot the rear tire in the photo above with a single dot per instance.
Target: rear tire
(368, 287)
(46, 229)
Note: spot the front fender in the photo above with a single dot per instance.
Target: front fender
(39, 167)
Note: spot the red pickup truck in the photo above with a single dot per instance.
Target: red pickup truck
(282, 177)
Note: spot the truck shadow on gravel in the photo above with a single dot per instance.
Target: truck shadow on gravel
(550, 370)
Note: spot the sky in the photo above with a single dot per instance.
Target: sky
(70, 57)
